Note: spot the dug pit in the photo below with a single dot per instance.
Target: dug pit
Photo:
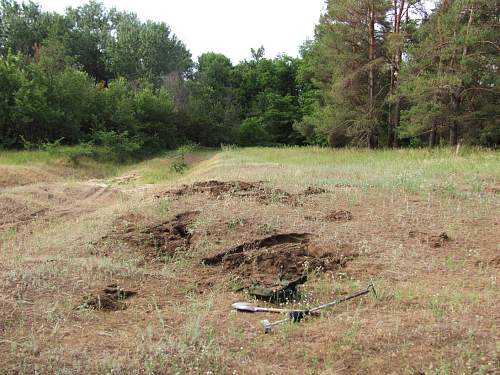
(272, 267)
(158, 240)
(110, 298)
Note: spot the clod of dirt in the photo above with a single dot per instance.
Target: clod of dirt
(163, 239)
(110, 298)
(495, 262)
(277, 260)
(432, 240)
(339, 215)
(313, 190)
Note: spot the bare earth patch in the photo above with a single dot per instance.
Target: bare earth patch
(156, 240)
(111, 298)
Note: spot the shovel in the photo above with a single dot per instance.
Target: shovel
(297, 316)
(248, 307)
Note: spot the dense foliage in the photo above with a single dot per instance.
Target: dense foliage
(378, 73)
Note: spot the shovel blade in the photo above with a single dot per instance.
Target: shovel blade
(244, 306)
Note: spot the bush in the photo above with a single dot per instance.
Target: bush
(252, 133)
(154, 114)
(118, 147)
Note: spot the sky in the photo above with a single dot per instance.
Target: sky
(231, 27)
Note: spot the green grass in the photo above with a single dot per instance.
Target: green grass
(411, 170)
(159, 169)
(408, 170)
(26, 157)
(151, 171)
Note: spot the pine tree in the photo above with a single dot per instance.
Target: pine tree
(347, 65)
(451, 78)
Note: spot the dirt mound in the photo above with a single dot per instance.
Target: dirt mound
(110, 298)
(270, 261)
(432, 240)
(163, 239)
(255, 190)
(220, 189)
(313, 190)
(216, 188)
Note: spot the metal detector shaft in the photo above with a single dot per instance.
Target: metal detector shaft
(268, 325)
(340, 300)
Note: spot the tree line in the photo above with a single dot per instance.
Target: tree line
(378, 73)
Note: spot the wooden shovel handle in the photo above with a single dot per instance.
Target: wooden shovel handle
(271, 309)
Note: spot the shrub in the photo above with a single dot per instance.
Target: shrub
(119, 147)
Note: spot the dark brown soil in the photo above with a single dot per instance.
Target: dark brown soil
(164, 239)
(334, 216)
(286, 256)
(217, 188)
(339, 215)
(255, 190)
(110, 298)
(313, 190)
(495, 262)
(432, 240)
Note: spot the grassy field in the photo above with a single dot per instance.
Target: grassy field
(421, 224)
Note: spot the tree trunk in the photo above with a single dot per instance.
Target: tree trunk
(453, 133)
(395, 111)
(454, 127)
(371, 75)
(432, 138)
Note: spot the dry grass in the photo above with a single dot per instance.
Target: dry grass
(436, 313)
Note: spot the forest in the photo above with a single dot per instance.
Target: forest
(378, 73)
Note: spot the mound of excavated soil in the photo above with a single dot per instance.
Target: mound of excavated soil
(256, 190)
(287, 256)
(220, 189)
(432, 240)
(163, 239)
(216, 188)
(313, 190)
(110, 298)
